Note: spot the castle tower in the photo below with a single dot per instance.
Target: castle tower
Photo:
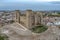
(29, 20)
(17, 16)
(41, 17)
(38, 18)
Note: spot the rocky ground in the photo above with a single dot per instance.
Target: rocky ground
(53, 33)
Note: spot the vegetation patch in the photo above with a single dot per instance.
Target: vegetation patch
(39, 29)
(3, 37)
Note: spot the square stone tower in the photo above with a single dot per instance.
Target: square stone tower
(17, 12)
(39, 17)
(29, 18)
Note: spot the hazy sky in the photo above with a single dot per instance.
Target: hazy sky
(28, 0)
(30, 4)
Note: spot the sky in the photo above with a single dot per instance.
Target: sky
(30, 4)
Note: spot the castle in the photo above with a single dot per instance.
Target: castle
(29, 19)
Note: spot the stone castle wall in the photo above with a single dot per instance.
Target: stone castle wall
(30, 19)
